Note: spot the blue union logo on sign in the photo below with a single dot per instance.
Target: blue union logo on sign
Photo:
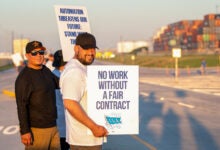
(113, 121)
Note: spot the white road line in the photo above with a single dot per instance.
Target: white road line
(162, 99)
(186, 105)
(151, 147)
(1, 127)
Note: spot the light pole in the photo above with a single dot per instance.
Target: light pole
(176, 54)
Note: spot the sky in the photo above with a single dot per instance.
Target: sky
(110, 20)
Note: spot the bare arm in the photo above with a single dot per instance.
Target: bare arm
(79, 114)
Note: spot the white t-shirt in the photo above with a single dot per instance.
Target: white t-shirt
(73, 87)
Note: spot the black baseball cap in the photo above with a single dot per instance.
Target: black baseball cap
(86, 40)
(34, 45)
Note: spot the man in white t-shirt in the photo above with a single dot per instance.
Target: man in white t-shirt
(74, 91)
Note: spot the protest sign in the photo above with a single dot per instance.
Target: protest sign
(71, 20)
(113, 94)
(17, 59)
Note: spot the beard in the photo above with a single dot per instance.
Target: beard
(85, 62)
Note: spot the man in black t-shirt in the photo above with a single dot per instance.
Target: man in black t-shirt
(36, 103)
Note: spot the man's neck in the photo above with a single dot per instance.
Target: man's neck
(36, 67)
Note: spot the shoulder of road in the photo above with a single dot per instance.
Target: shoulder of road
(208, 83)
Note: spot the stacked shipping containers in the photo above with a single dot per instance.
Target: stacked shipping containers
(217, 30)
(209, 33)
(190, 34)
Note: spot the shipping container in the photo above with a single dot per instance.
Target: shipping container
(211, 23)
(206, 23)
(206, 30)
(200, 30)
(211, 44)
(209, 30)
(205, 44)
(217, 16)
(216, 43)
(217, 30)
(177, 32)
(217, 23)
(200, 45)
(191, 34)
(212, 37)
(197, 22)
(209, 17)
(194, 37)
(199, 38)
(188, 33)
(205, 37)
(194, 45)
(194, 31)
(217, 36)
(189, 38)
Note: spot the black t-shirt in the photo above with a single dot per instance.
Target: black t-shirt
(35, 98)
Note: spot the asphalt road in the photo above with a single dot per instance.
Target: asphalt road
(174, 114)
(9, 129)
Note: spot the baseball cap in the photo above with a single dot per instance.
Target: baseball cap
(86, 40)
(58, 59)
(34, 45)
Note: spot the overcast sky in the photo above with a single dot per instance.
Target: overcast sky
(110, 20)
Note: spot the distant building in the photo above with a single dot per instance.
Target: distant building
(189, 34)
(5, 55)
(19, 45)
(129, 46)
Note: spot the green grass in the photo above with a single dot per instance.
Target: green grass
(5, 64)
(192, 61)
(5, 67)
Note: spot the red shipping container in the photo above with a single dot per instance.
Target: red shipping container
(217, 23)
(216, 43)
(177, 32)
(194, 38)
(197, 22)
(212, 37)
(209, 17)
(188, 33)
(194, 31)
(199, 38)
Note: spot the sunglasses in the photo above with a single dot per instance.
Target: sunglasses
(40, 52)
